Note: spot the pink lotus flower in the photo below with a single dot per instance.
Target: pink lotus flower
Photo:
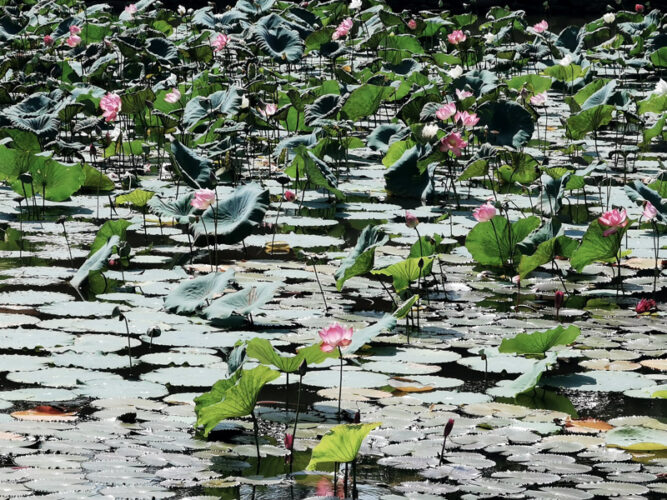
(411, 220)
(446, 111)
(343, 29)
(649, 211)
(452, 142)
(335, 336)
(289, 195)
(74, 30)
(448, 427)
(220, 42)
(73, 40)
(639, 8)
(110, 104)
(456, 37)
(468, 120)
(269, 110)
(484, 212)
(203, 199)
(613, 220)
(131, 10)
(48, 40)
(539, 99)
(541, 27)
(412, 24)
(646, 305)
(516, 279)
(463, 94)
(173, 96)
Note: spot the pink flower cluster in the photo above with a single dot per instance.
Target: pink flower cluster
(343, 29)
(74, 39)
(110, 104)
(541, 27)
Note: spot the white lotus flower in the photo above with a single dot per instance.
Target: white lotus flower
(455, 72)
(489, 38)
(609, 17)
(181, 10)
(661, 87)
(244, 102)
(355, 4)
(566, 61)
(429, 131)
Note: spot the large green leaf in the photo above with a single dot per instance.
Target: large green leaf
(233, 397)
(405, 178)
(525, 382)
(95, 262)
(51, 179)
(137, 198)
(110, 228)
(223, 102)
(315, 170)
(405, 272)
(326, 106)
(235, 217)
(540, 342)
(509, 123)
(179, 209)
(385, 135)
(96, 180)
(577, 126)
(535, 84)
(341, 444)
(163, 50)
(596, 247)
(655, 103)
(282, 44)
(491, 243)
(546, 251)
(361, 258)
(249, 300)
(195, 170)
(191, 294)
(363, 101)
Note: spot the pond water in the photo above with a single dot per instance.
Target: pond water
(102, 353)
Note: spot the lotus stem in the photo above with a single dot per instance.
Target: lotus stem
(319, 284)
(340, 382)
(255, 429)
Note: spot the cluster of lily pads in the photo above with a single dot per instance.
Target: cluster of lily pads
(478, 168)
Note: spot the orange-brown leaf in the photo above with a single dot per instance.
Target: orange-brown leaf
(587, 425)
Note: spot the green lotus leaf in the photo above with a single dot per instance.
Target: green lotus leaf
(491, 243)
(236, 216)
(405, 178)
(109, 229)
(509, 123)
(405, 272)
(540, 342)
(191, 294)
(525, 382)
(385, 135)
(232, 397)
(163, 50)
(577, 126)
(597, 247)
(249, 300)
(341, 444)
(50, 179)
(283, 44)
(326, 106)
(546, 251)
(363, 101)
(195, 170)
(95, 180)
(361, 258)
(95, 262)
(179, 209)
(137, 198)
